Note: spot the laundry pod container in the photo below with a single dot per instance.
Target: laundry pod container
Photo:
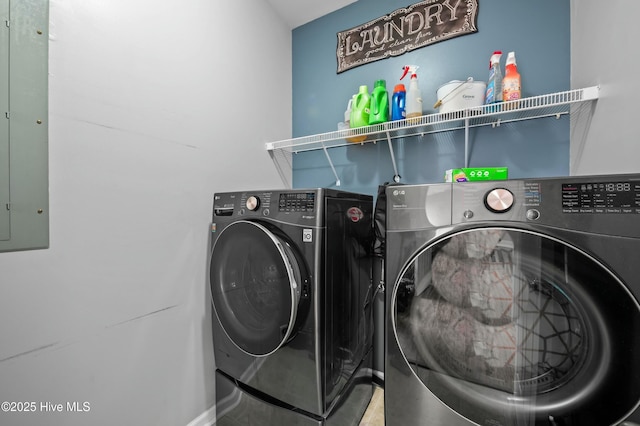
(457, 94)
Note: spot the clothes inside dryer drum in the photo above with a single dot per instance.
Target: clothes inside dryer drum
(492, 316)
(256, 283)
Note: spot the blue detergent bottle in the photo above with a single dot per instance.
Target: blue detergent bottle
(398, 102)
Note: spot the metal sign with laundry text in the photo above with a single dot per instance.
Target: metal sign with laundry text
(406, 29)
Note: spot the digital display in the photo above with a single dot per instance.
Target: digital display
(617, 187)
(601, 197)
(297, 202)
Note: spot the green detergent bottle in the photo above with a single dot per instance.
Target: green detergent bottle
(360, 108)
(379, 110)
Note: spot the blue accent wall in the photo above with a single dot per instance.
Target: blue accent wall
(538, 31)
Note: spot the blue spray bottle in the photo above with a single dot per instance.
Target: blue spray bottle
(494, 85)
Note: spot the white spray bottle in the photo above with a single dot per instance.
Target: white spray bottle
(414, 96)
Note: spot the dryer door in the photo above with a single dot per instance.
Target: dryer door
(512, 327)
(256, 281)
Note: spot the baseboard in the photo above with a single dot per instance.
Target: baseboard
(208, 418)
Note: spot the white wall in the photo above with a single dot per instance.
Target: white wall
(154, 106)
(604, 52)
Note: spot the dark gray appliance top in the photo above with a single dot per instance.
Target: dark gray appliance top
(606, 204)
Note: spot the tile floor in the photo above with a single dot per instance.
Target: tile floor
(374, 416)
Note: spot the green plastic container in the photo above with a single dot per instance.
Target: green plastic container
(379, 110)
(360, 108)
(471, 174)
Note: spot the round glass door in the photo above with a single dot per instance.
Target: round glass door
(255, 279)
(512, 327)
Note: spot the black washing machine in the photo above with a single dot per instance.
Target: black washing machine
(513, 302)
(291, 288)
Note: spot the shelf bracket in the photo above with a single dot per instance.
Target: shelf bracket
(326, 152)
(396, 176)
(466, 141)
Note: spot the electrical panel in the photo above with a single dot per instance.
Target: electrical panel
(24, 187)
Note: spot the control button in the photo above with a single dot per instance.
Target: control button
(253, 203)
(499, 200)
(533, 214)
(468, 214)
(265, 212)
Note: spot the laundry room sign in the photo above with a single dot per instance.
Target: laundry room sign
(406, 29)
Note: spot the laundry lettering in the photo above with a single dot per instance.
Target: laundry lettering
(406, 29)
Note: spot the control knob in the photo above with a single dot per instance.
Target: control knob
(253, 203)
(499, 200)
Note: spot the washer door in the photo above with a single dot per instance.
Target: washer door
(256, 280)
(512, 327)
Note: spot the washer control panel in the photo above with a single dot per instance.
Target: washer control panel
(302, 202)
(607, 204)
(265, 203)
(610, 197)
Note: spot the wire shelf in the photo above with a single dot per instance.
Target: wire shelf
(549, 105)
